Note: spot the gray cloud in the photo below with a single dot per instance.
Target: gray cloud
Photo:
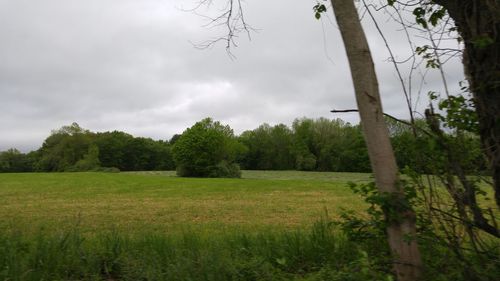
(129, 65)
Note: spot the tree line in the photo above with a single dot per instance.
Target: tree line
(308, 145)
(72, 148)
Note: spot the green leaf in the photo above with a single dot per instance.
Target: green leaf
(318, 9)
(437, 16)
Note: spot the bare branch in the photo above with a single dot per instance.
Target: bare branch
(230, 17)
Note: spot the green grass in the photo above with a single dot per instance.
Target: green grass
(320, 253)
(159, 201)
(155, 226)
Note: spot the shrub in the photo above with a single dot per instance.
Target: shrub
(225, 170)
(207, 149)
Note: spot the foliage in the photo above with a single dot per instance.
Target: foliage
(318, 10)
(268, 148)
(63, 148)
(13, 160)
(444, 260)
(89, 162)
(455, 222)
(309, 145)
(207, 149)
(225, 170)
(113, 149)
(329, 145)
(303, 144)
(459, 111)
(72, 148)
(128, 153)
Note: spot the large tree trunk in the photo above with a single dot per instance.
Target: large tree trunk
(478, 23)
(407, 261)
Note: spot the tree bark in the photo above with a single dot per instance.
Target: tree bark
(478, 23)
(407, 260)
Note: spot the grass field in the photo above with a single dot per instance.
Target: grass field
(159, 201)
(155, 226)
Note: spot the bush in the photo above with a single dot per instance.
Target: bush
(225, 170)
(207, 149)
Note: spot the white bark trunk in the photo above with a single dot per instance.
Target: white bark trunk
(407, 260)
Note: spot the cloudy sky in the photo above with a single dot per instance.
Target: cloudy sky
(130, 65)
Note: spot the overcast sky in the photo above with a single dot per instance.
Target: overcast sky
(130, 65)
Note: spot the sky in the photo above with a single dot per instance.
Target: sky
(133, 66)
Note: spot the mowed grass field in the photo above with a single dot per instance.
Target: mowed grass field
(161, 202)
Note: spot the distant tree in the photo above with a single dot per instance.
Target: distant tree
(350, 151)
(416, 149)
(90, 161)
(63, 148)
(326, 140)
(207, 149)
(303, 144)
(259, 154)
(329, 145)
(127, 153)
(174, 139)
(269, 148)
(13, 161)
(112, 149)
(164, 160)
(145, 154)
(282, 140)
(72, 148)
(139, 154)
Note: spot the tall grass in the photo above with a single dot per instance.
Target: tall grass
(318, 254)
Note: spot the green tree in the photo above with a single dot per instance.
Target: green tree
(112, 148)
(164, 159)
(350, 153)
(269, 148)
(259, 155)
(303, 144)
(13, 161)
(63, 148)
(127, 153)
(90, 161)
(329, 145)
(145, 154)
(207, 149)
